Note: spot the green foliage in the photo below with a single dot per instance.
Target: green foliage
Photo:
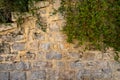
(95, 22)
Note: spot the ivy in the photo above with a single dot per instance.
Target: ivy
(92, 22)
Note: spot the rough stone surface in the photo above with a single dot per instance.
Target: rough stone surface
(45, 46)
(4, 48)
(4, 75)
(39, 36)
(42, 65)
(22, 66)
(28, 53)
(17, 76)
(53, 55)
(38, 75)
(19, 46)
(3, 66)
(66, 75)
(77, 64)
(1, 58)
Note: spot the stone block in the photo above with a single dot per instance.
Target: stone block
(89, 56)
(4, 48)
(66, 75)
(7, 37)
(1, 58)
(13, 36)
(77, 64)
(4, 75)
(79, 74)
(45, 46)
(87, 75)
(52, 74)
(11, 67)
(18, 46)
(3, 66)
(58, 56)
(53, 55)
(7, 66)
(38, 75)
(42, 65)
(75, 55)
(17, 75)
(97, 75)
(41, 4)
(19, 37)
(60, 64)
(22, 66)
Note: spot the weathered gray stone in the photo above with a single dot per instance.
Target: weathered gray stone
(97, 75)
(11, 67)
(57, 56)
(107, 73)
(7, 66)
(77, 64)
(75, 55)
(42, 65)
(13, 36)
(1, 58)
(18, 37)
(22, 65)
(79, 74)
(3, 66)
(53, 55)
(87, 75)
(38, 75)
(4, 75)
(7, 38)
(50, 56)
(115, 66)
(17, 75)
(52, 74)
(66, 75)
(45, 46)
(4, 48)
(60, 64)
(18, 46)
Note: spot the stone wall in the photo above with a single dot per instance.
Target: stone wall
(31, 54)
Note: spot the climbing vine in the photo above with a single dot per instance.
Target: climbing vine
(94, 23)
